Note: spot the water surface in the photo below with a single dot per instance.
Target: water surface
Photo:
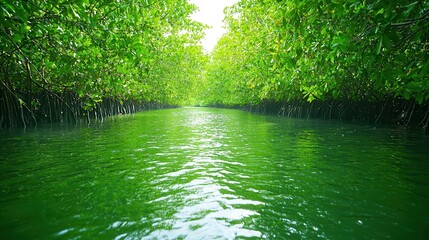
(198, 173)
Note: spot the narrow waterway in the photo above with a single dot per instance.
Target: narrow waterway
(199, 173)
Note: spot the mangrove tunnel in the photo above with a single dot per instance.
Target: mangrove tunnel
(304, 119)
(70, 61)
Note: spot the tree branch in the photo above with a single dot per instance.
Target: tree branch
(410, 21)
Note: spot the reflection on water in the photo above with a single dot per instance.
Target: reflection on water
(213, 174)
(210, 208)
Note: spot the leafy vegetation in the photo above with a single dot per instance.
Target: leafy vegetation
(372, 52)
(61, 60)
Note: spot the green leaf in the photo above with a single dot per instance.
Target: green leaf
(74, 12)
(9, 9)
(406, 95)
(379, 44)
(80, 92)
(17, 38)
(20, 12)
(25, 28)
(387, 43)
(410, 8)
(21, 102)
(419, 98)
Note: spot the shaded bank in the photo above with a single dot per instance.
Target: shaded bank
(65, 107)
(390, 111)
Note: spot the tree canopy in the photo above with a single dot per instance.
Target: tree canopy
(141, 50)
(321, 50)
(82, 56)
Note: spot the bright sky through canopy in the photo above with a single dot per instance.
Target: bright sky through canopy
(211, 13)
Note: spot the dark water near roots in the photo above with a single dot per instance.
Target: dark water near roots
(198, 173)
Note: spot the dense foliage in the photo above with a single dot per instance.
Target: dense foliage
(81, 54)
(61, 60)
(348, 50)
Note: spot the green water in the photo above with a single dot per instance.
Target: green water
(197, 173)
